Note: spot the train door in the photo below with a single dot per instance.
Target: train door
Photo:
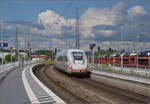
(65, 60)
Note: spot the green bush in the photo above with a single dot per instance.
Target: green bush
(8, 58)
(48, 62)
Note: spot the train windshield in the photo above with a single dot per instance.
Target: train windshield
(77, 55)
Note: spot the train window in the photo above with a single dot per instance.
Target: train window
(77, 55)
(65, 58)
(60, 58)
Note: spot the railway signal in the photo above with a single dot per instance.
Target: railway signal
(55, 50)
(92, 46)
(98, 48)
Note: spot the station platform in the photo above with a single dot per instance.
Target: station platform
(20, 86)
(12, 90)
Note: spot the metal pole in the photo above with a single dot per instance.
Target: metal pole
(91, 53)
(25, 47)
(11, 56)
(2, 43)
(137, 53)
(93, 58)
(138, 47)
(16, 38)
(28, 41)
(77, 30)
(121, 44)
(17, 50)
(40, 44)
(1, 33)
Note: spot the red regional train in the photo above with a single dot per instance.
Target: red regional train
(127, 61)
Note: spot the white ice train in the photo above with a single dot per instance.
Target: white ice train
(72, 61)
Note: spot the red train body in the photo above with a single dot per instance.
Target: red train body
(128, 61)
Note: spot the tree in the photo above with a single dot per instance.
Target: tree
(15, 58)
(110, 49)
(8, 58)
(48, 53)
(102, 52)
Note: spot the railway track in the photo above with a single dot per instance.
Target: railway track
(84, 101)
(65, 87)
(97, 85)
(65, 94)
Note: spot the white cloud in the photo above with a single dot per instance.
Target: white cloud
(57, 42)
(137, 9)
(92, 25)
(107, 32)
(53, 22)
(49, 17)
(101, 16)
(127, 45)
(6, 26)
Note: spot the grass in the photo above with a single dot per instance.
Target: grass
(48, 62)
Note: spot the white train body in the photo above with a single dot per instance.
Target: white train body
(71, 61)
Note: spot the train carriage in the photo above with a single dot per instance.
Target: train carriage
(128, 61)
(72, 61)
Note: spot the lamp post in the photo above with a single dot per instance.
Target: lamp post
(137, 39)
(40, 37)
(137, 59)
(1, 34)
(1, 40)
(121, 43)
(92, 48)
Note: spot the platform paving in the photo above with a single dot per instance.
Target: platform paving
(12, 90)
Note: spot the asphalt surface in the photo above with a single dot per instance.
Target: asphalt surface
(12, 90)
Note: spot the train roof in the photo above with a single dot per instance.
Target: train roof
(75, 50)
(70, 50)
(65, 51)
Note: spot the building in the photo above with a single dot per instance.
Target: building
(38, 57)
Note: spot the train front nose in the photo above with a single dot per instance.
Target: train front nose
(79, 66)
(79, 62)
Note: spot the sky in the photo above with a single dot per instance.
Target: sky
(53, 23)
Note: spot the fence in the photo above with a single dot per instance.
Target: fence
(9, 66)
(130, 71)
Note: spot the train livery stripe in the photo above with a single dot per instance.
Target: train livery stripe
(74, 69)
(69, 66)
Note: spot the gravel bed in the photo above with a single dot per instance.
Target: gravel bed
(81, 87)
